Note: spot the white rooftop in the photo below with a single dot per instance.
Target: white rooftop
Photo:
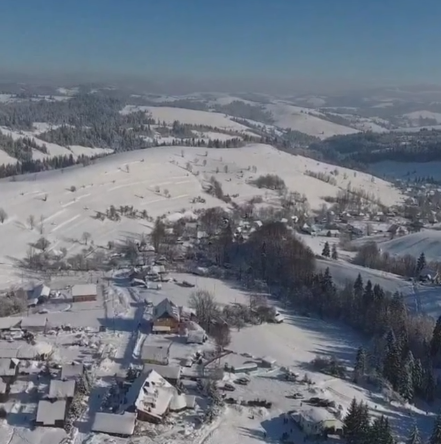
(61, 389)
(114, 424)
(84, 290)
(48, 412)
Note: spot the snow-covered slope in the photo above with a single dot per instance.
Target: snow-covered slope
(132, 178)
(306, 121)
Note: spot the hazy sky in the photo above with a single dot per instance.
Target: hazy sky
(310, 42)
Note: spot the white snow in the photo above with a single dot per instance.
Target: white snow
(414, 117)
(306, 120)
(66, 214)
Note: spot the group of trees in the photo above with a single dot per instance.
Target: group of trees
(270, 181)
(330, 251)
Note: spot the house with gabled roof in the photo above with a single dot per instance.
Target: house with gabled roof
(166, 317)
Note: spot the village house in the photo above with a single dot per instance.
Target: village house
(9, 369)
(84, 292)
(34, 324)
(155, 354)
(72, 371)
(166, 317)
(317, 421)
(41, 293)
(153, 397)
(62, 389)
(171, 374)
(52, 413)
(122, 425)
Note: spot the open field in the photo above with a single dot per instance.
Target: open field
(64, 203)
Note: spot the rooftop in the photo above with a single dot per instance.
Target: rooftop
(157, 353)
(8, 366)
(317, 415)
(71, 371)
(37, 321)
(166, 307)
(166, 371)
(61, 389)
(9, 322)
(49, 412)
(84, 290)
(114, 424)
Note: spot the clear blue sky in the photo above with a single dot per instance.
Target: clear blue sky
(393, 41)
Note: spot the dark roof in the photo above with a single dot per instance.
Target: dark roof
(168, 308)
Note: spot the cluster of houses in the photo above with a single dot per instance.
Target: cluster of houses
(79, 293)
(52, 410)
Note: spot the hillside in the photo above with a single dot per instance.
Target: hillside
(66, 204)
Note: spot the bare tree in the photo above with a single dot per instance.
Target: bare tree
(31, 221)
(222, 336)
(206, 308)
(158, 234)
(3, 215)
(85, 237)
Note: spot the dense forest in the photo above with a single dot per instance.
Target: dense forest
(366, 148)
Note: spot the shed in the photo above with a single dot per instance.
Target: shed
(9, 323)
(112, 424)
(170, 373)
(72, 371)
(62, 389)
(196, 336)
(51, 414)
(84, 292)
(155, 354)
(35, 324)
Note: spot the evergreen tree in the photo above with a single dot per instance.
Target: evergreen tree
(421, 264)
(418, 377)
(334, 253)
(436, 434)
(326, 250)
(435, 343)
(360, 365)
(358, 286)
(414, 437)
(351, 427)
(392, 360)
(381, 432)
(405, 382)
(429, 386)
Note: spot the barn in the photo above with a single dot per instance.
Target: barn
(84, 292)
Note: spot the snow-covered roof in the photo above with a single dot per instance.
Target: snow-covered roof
(71, 371)
(195, 336)
(3, 387)
(9, 322)
(79, 290)
(61, 389)
(114, 424)
(154, 394)
(166, 371)
(317, 415)
(48, 412)
(41, 290)
(157, 353)
(166, 307)
(8, 366)
(182, 401)
(37, 321)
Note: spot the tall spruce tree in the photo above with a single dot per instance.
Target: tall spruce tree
(421, 264)
(360, 365)
(414, 437)
(334, 252)
(352, 423)
(435, 438)
(392, 360)
(326, 250)
(435, 343)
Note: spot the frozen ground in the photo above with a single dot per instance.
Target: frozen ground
(141, 178)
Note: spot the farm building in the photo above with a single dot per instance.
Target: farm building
(62, 389)
(317, 421)
(170, 373)
(9, 369)
(166, 317)
(51, 414)
(84, 292)
(72, 371)
(155, 354)
(113, 424)
(41, 293)
(34, 324)
(9, 323)
(4, 391)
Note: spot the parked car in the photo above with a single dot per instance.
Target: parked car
(228, 387)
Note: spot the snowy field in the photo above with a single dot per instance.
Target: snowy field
(141, 178)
